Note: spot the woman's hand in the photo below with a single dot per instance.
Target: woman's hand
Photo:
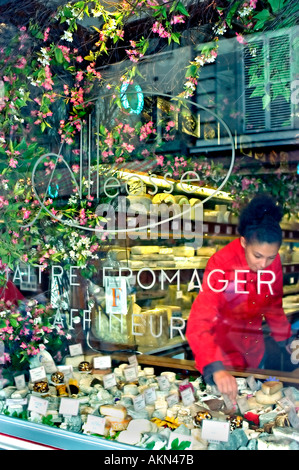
(226, 383)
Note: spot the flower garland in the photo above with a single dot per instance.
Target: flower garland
(48, 83)
(25, 330)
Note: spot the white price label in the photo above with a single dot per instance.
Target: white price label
(38, 373)
(133, 360)
(102, 362)
(67, 372)
(150, 395)
(163, 383)
(16, 401)
(69, 407)
(109, 380)
(215, 430)
(172, 399)
(130, 373)
(139, 402)
(39, 405)
(187, 396)
(20, 382)
(75, 349)
(96, 424)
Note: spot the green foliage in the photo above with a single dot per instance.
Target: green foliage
(177, 445)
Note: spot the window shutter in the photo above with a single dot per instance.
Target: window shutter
(267, 74)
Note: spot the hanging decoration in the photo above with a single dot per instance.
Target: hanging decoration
(124, 99)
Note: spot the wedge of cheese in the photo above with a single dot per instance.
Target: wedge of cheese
(271, 387)
(183, 251)
(114, 411)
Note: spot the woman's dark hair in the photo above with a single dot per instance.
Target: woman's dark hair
(259, 221)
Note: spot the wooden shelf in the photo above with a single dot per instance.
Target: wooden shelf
(189, 365)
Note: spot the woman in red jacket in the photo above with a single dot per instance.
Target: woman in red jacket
(242, 285)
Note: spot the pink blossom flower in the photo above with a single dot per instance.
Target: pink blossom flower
(13, 163)
(177, 19)
(128, 147)
(26, 213)
(46, 34)
(21, 63)
(240, 38)
(160, 160)
(75, 168)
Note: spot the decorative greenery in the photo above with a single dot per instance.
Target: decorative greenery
(27, 329)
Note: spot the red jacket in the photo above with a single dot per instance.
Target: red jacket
(11, 293)
(227, 326)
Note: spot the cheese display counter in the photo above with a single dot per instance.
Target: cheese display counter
(134, 402)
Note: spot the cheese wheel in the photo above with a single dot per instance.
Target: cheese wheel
(128, 437)
(264, 399)
(139, 425)
(130, 389)
(181, 200)
(194, 201)
(163, 198)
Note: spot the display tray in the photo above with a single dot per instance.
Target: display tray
(16, 434)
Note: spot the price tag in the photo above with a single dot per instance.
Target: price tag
(20, 382)
(67, 371)
(163, 383)
(38, 373)
(130, 373)
(187, 396)
(253, 385)
(288, 392)
(286, 403)
(39, 405)
(102, 362)
(215, 430)
(133, 360)
(293, 418)
(75, 349)
(95, 424)
(228, 402)
(139, 402)
(16, 401)
(184, 382)
(69, 406)
(243, 405)
(172, 399)
(150, 395)
(109, 380)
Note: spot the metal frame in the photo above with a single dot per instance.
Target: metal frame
(30, 435)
